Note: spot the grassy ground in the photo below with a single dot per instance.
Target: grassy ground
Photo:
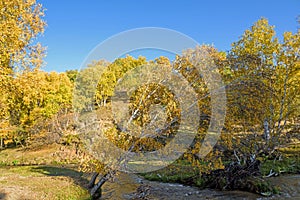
(178, 172)
(40, 174)
(46, 173)
(183, 172)
(41, 155)
(16, 156)
(41, 182)
(288, 163)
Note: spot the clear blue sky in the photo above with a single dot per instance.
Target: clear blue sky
(76, 27)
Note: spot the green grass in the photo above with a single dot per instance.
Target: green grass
(183, 172)
(39, 174)
(289, 161)
(42, 182)
(180, 171)
(290, 165)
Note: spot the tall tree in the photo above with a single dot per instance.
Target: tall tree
(21, 22)
(263, 84)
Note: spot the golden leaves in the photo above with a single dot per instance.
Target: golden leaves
(21, 21)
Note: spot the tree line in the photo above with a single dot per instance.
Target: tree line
(261, 76)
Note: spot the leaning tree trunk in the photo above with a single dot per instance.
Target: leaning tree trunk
(95, 189)
(93, 180)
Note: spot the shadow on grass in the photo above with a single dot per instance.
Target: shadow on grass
(76, 176)
(2, 195)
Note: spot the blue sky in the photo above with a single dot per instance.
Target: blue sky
(76, 27)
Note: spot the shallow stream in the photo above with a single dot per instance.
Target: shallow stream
(125, 187)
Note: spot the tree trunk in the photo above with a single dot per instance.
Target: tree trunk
(93, 179)
(95, 191)
(1, 143)
(266, 130)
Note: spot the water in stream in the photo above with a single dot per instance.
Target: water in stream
(125, 186)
